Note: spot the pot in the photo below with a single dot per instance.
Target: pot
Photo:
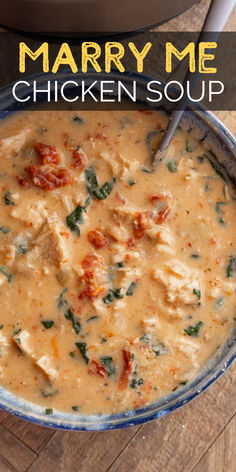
(65, 17)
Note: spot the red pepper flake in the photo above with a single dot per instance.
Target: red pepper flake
(47, 153)
(49, 176)
(98, 240)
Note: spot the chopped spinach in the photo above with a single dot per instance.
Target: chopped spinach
(120, 264)
(48, 411)
(75, 219)
(200, 159)
(109, 298)
(197, 292)
(75, 408)
(7, 274)
(7, 198)
(159, 349)
(103, 340)
(22, 249)
(146, 169)
(193, 330)
(72, 354)
(184, 382)
(78, 120)
(61, 300)
(83, 350)
(194, 256)
(4, 229)
(108, 364)
(131, 288)
(69, 315)
(93, 188)
(1, 326)
(172, 166)
(136, 383)
(218, 207)
(220, 220)
(188, 148)
(16, 331)
(47, 324)
(231, 267)
(131, 183)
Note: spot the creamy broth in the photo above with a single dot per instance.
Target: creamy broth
(116, 283)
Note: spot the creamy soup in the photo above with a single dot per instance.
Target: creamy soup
(117, 283)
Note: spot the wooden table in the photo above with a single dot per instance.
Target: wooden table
(200, 437)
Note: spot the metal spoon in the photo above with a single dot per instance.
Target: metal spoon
(216, 18)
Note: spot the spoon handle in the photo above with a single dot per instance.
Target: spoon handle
(215, 21)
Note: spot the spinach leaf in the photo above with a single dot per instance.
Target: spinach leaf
(93, 188)
(188, 148)
(78, 120)
(109, 298)
(146, 169)
(48, 411)
(120, 264)
(7, 198)
(75, 219)
(108, 364)
(1, 326)
(4, 230)
(131, 183)
(69, 315)
(61, 300)
(47, 324)
(131, 288)
(75, 408)
(193, 330)
(83, 351)
(231, 267)
(172, 166)
(194, 256)
(7, 274)
(136, 383)
(197, 292)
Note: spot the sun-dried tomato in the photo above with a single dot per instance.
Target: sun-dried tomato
(23, 182)
(127, 369)
(49, 176)
(47, 153)
(163, 215)
(79, 158)
(98, 239)
(96, 368)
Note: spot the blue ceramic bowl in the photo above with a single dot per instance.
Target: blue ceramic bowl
(216, 138)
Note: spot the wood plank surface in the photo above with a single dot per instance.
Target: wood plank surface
(200, 437)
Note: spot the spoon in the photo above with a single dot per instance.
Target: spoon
(216, 18)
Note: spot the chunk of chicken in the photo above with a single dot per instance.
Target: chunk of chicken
(32, 214)
(180, 281)
(121, 166)
(25, 343)
(12, 145)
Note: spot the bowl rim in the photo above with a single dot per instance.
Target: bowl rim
(34, 413)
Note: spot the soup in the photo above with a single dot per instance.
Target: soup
(117, 282)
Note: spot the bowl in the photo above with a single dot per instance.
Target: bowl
(204, 126)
